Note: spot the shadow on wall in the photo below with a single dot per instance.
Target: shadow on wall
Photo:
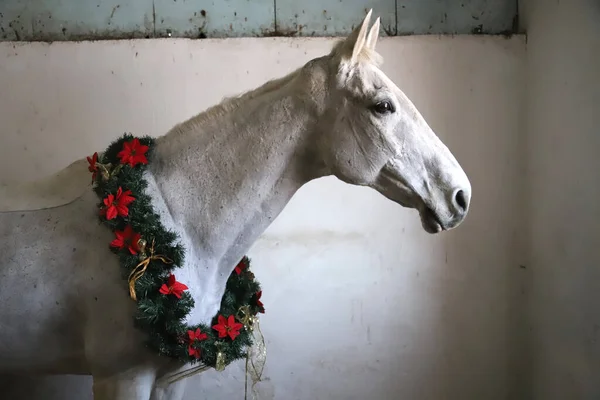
(45, 387)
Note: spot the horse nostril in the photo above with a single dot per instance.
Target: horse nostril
(460, 199)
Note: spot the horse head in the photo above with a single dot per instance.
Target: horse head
(371, 134)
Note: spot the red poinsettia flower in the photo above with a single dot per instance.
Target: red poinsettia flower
(93, 168)
(228, 327)
(194, 352)
(195, 336)
(133, 153)
(127, 238)
(173, 287)
(240, 267)
(259, 303)
(117, 206)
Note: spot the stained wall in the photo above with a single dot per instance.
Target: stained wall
(361, 302)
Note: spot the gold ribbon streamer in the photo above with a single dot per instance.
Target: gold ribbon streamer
(183, 374)
(220, 363)
(256, 355)
(140, 269)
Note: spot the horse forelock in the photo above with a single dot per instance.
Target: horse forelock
(366, 55)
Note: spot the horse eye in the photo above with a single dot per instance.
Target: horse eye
(383, 107)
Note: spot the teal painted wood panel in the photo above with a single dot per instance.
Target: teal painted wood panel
(332, 17)
(219, 18)
(456, 16)
(75, 19)
(51, 20)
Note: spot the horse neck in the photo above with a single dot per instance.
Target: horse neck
(225, 175)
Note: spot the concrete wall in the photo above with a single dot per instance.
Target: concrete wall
(361, 303)
(563, 198)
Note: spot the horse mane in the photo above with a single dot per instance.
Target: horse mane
(231, 103)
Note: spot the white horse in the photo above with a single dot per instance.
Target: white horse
(218, 180)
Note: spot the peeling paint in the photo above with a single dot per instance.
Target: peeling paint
(58, 20)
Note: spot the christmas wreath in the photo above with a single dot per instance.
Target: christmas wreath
(148, 255)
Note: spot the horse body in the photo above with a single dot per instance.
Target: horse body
(69, 260)
(218, 180)
(52, 273)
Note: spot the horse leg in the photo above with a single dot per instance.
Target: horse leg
(174, 391)
(132, 385)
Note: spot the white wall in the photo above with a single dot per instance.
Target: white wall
(361, 303)
(563, 74)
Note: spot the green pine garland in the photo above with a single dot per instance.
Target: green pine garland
(161, 316)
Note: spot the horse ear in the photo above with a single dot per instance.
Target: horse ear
(373, 35)
(361, 37)
(355, 42)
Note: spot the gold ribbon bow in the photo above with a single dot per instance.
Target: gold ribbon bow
(256, 355)
(140, 269)
(245, 317)
(107, 170)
